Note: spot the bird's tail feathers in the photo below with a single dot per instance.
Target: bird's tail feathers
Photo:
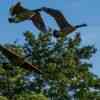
(82, 25)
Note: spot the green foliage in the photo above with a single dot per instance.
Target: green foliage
(65, 66)
(3, 98)
(31, 96)
(65, 70)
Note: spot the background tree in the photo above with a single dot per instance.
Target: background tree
(14, 79)
(65, 66)
(65, 69)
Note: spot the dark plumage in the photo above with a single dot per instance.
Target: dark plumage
(65, 27)
(16, 9)
(20, 14)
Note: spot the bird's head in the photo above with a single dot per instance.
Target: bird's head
(56, 33)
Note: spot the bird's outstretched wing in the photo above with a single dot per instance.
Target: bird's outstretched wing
(58, 16)
(38, 22)
(18, 60)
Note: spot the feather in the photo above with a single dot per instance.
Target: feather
(38, 22)
(58, 16)
(65, 27)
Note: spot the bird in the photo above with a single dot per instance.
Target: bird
(19, 14)
(16, 59)
(65, 27)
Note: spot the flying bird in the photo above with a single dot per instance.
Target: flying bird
(65, 27)
(13, 57)
(19, 14)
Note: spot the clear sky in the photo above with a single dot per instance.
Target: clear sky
(77, 11)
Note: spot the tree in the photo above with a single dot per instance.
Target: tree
(14, 79)
(65, 66)
(65, 70)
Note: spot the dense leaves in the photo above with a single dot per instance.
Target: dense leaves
(65, 70)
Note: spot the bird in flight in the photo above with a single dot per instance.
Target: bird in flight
(19, 14)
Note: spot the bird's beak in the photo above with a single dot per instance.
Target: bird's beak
(11, 20)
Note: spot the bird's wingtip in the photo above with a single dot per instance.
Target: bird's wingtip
(10, 20)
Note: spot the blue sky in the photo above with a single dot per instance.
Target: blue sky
(77, 11)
